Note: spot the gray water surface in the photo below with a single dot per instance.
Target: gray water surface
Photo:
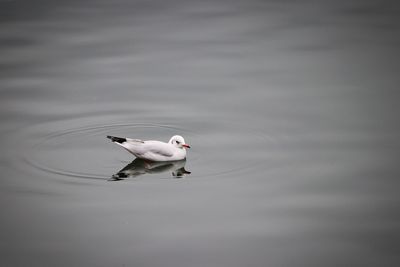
(290, 107)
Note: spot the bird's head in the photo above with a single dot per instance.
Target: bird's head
(178, 141)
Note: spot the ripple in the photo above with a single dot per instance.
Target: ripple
(84, 152)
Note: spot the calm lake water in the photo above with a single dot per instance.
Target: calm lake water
(291, 109)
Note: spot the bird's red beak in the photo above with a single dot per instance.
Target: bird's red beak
(186, 145)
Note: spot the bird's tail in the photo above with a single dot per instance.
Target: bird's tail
(116, 139)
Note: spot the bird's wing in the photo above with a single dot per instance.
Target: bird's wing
(140, 147)
(135, 146)
(159, 148)
(134, 140)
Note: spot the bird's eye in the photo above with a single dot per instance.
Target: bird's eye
(178, 142)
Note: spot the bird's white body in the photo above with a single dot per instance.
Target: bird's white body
(153, 150)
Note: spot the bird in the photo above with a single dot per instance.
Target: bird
(152, 150)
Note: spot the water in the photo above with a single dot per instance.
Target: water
(291, 110)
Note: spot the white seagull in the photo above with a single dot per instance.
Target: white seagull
(152, 150)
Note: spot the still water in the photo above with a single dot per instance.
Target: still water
(291, 110)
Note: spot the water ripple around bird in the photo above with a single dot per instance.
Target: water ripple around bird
(84, 152)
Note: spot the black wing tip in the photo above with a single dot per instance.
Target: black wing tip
(116, 139)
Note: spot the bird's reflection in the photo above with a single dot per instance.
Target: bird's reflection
(140, 167)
